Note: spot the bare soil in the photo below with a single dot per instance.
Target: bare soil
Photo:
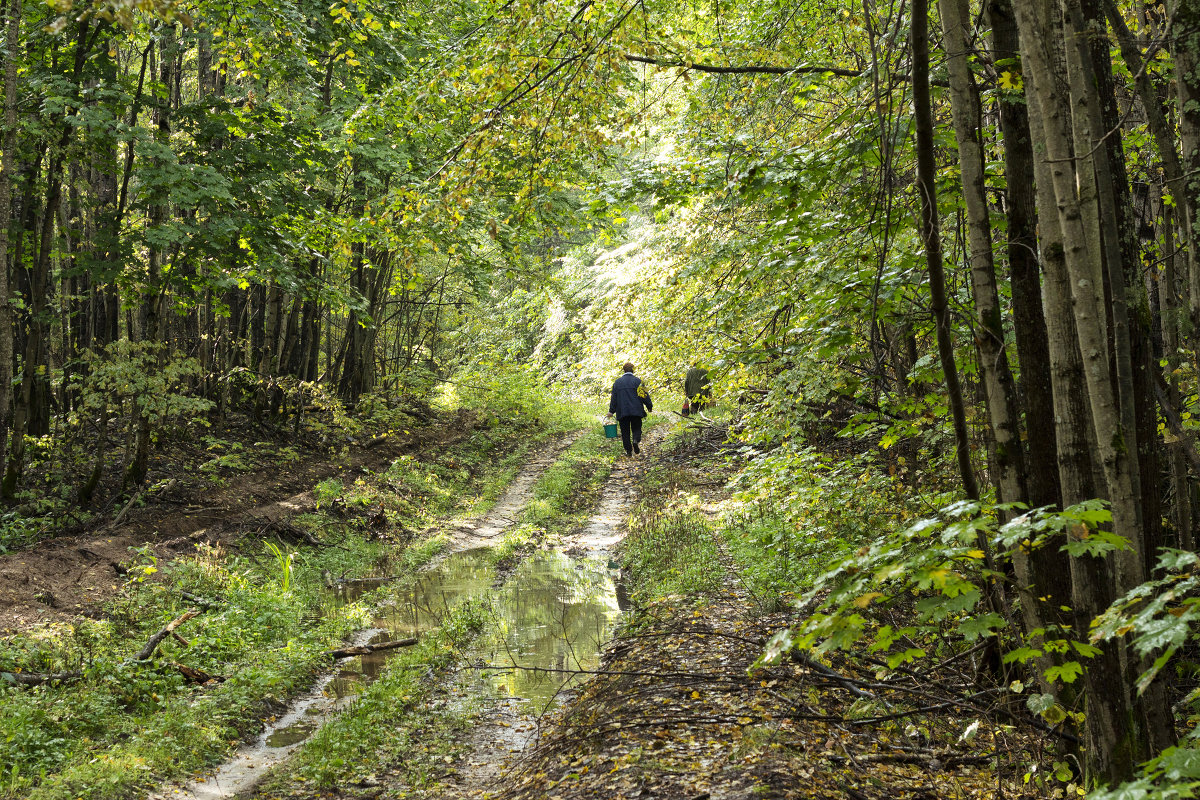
(61, 579)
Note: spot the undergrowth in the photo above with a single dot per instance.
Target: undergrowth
(267, 621)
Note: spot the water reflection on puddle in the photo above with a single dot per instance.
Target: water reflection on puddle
(552, 613)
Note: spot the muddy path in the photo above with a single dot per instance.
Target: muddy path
(468, 534)
(510, 723)
(461, 570)
(63, 578)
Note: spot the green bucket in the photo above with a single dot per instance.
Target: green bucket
(610, 430)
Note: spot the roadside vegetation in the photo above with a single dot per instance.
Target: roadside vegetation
(83, 717)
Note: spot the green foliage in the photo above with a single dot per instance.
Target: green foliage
(1158, 617)
(510, 395)
(937, 571)
(143, 375)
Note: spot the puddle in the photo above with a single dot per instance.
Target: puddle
(551, 616)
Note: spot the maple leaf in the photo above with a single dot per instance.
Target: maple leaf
(1011, 81)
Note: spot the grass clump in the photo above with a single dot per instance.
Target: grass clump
(671, 550)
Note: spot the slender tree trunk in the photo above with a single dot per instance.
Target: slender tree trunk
(1133, 344)
(1186, 27)
(932, 240)
(159, 206)
(1029, 322)
(1172, 306)
(12, 41)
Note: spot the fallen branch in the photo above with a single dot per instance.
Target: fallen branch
(194, 536)
(929, 760)
(39, 678)
(152, 644)
(117, 520)
(367, 649)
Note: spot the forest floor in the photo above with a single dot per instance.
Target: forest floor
(677, 708)
(73, 575)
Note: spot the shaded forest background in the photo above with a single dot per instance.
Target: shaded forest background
(936, 258)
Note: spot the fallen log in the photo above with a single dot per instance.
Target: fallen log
(367, 649)
(117, 521)
(38, 678)
(200, 601)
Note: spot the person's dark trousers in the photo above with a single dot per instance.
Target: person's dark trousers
(631, 434)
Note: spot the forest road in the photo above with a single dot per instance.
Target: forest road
(249, 765)
(508, 726)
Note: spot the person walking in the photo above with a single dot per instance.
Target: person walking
(629, 403)
(696, 386)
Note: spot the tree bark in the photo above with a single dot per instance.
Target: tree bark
(12, 40)
(932, 240)
(1029, 322)
(1187, 87)
(1113, 731)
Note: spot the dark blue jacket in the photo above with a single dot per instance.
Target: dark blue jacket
(628, 396)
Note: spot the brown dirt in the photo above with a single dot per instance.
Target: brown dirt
(61, 579)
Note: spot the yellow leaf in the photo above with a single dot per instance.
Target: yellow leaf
(865, 600)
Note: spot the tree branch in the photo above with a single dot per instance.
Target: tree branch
(752, 69)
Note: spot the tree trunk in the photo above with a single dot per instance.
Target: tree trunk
(932, 240)
(159, 206)
(12, 47)
(1029, 322)
(1186, 27)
